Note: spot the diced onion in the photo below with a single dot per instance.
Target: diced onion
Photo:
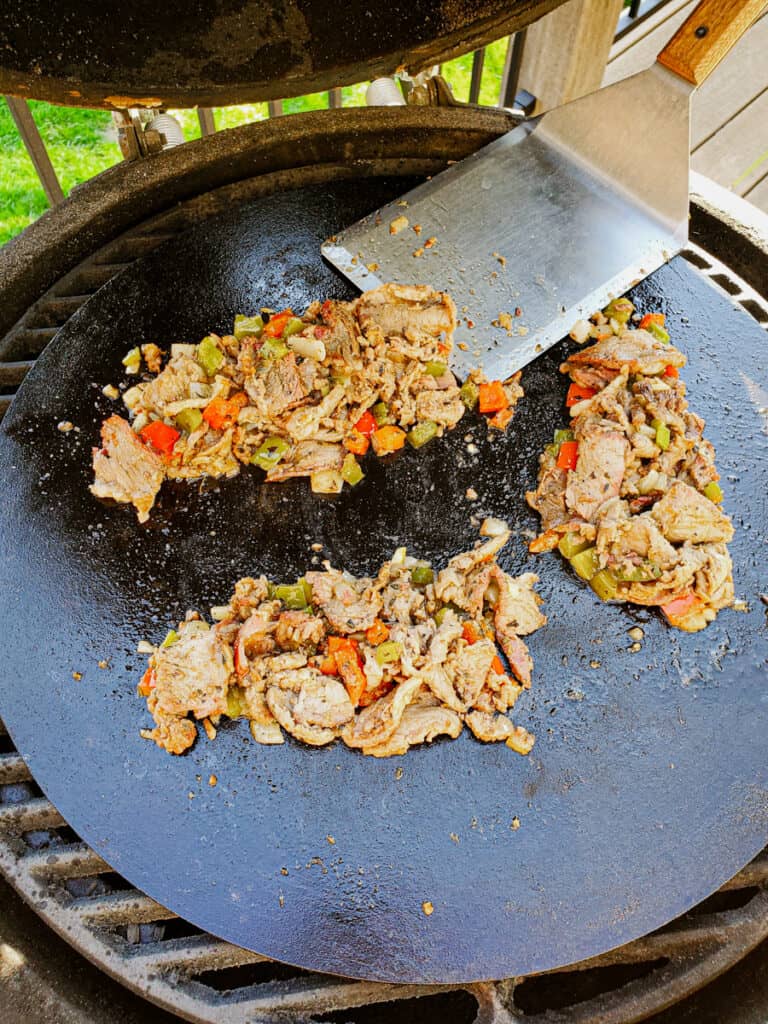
(493, 528)
(399, 556)
(326, 481)
(310, 348)
(132, 397)
(145, 647)
(178, 349)
(220, 612)
(580, 331)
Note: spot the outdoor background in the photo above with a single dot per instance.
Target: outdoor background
(82, 143)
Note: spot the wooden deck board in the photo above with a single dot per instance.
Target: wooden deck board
(729, 115)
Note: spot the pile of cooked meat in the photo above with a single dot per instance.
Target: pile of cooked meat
(629, 493)
(296, 396)
(384, 664)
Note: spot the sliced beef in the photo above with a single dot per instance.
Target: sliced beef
(419, 724)
(684, 514)
(408, 310)
(599, 471)
(125, 469)
(193, 675)
(638, 350)
(306, 458)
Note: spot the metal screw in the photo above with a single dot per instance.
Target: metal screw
(701, 31)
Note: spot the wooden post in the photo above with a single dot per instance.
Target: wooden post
(566, 51)
(35, 147)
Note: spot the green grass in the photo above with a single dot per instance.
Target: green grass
(81, 143)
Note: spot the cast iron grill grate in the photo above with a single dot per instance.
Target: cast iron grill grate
(204, 979)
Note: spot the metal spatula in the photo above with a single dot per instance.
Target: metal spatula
(546, 224)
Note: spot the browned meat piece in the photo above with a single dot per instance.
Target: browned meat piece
(401, 601)
(125, 469)
(376, 723)
(342, 337)
(248, 595)
(314, 712)
(172, 385)
(549, 540)
(283, 386)
(171, 733)
(449, 630)
(598, 473)
(590, 376)
(153, 357)
(443, 407)
(297, 630)
(345, 606)
(468, 667)
(638, 350)
(492, 729)
(254, 640)
(303, 424)
(450, 585)
(419, 724)
(262, 723)
(630, 541)
(408, 310)
(193, 674)
(306, 458)
(686, 515)
(439, 683)
(699, 467)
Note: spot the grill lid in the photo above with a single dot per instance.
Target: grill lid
(233, 51)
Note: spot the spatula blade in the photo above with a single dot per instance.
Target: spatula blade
(536, 227)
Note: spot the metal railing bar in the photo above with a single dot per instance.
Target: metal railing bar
(275, 108)
(513, 61)
(38, 154)
(207, 122)
(478, 60)
(335, 99)
(637, 12)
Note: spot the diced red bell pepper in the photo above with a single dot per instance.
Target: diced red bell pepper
(277, 322)
(470, 632)
(568, 455)
(366, 425)
(357, 443)
(492, 397)
(147, 684)
(680, 606)
(222, 413)
(500, 420)
(671, 371)
(388, 439)
(345, 653)
(369, 696)
(377, 633)
(162, 437)
(652, 318)
(577, 393)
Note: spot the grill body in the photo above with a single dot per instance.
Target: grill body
(120, 929)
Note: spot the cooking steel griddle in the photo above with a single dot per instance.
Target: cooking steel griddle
(647, 787)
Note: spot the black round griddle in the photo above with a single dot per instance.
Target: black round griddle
(646, 788)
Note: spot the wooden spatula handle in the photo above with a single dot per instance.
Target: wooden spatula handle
(707, 35)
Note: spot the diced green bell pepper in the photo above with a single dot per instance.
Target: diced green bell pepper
(294, 326)
(390, 650)
(421, 433)
(248, 326)
(189, 420)
(619, 310)
(273, 348)
(350, 470)
(572, 544)
(604, 584)
(422, 574)
(563, 435)
(585, 563)
(292, 595)
(307, 588)
(380, 413)
(713, 491)
(663, 436)
(270, 452)
(469, 393)
(234, 702)
(435, 369)
(171, 637)
(323, 387)
(638, 573)
(658, 332)
(209, 355)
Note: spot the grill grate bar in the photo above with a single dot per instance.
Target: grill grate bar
(32, 341)
(755, 873)
(55, 310)
(12, 766)
(194, 954)
(75, 861)
(32, 815)
(14, 373)
(120, 908)
(132, 247)
(88, 279)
